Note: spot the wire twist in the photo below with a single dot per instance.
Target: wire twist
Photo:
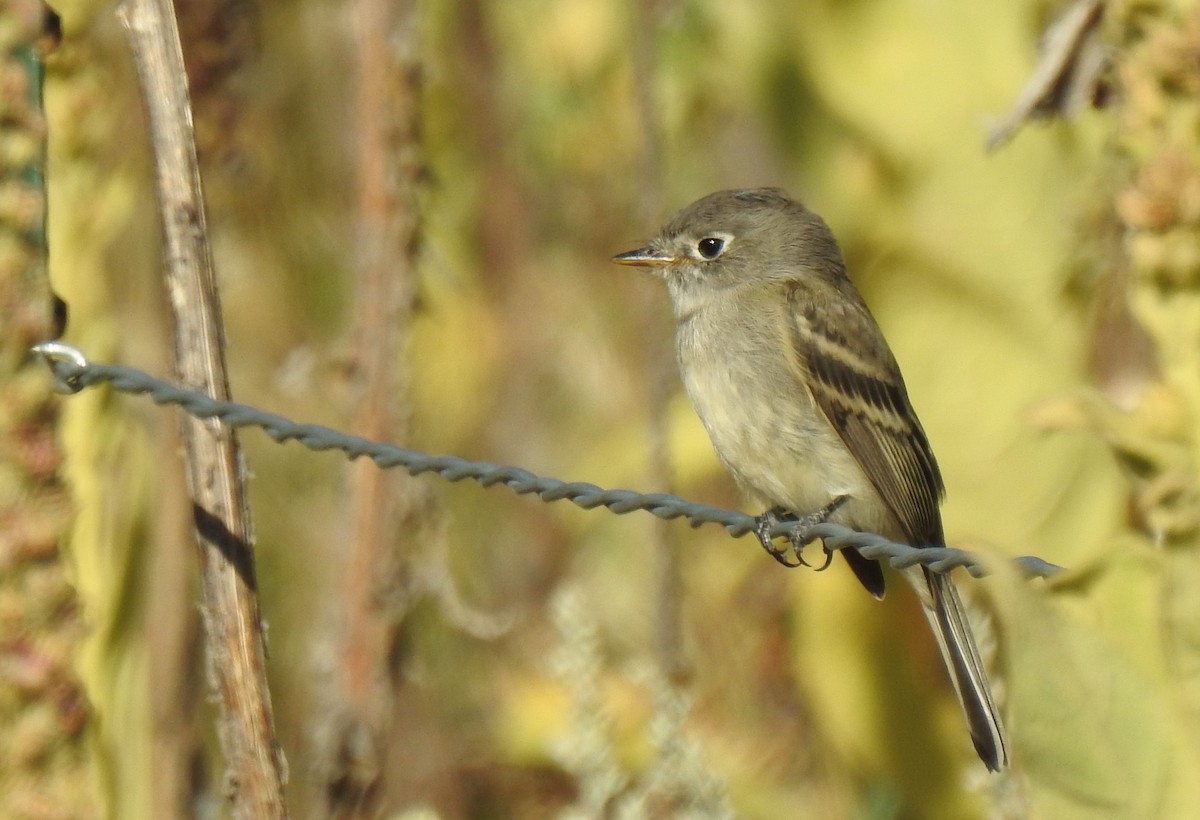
(73, 372)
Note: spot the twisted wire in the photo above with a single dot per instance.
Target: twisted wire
(73, 372)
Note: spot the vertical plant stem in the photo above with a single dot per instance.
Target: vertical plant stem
(388, 166)
(255, 768)
(659, 375)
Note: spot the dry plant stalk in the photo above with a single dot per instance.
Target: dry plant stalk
(660, 374)
(355, 754)
(256, 770)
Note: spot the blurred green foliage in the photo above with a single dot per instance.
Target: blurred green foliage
(46, 768)
(1042, 302)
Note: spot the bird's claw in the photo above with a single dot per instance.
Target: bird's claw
(798, 536)
(828, 558)
(763, 526)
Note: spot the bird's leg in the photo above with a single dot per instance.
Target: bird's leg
(763, 525)
(798, 536)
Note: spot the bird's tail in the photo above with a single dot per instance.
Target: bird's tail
(946, 615)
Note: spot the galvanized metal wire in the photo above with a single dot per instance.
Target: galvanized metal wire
(73, 373)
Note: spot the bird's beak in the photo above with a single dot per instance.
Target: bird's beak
(645, 258)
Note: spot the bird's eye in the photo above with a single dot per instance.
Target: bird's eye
(710, 247)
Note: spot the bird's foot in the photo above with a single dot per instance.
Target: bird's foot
(799, 535)
(764, 524)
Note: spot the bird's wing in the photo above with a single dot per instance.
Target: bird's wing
(841, 355)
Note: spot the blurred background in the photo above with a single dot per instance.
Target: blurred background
(412, 206)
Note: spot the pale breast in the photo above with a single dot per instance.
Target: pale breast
(762, 420)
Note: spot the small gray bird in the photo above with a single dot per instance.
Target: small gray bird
(804, 401)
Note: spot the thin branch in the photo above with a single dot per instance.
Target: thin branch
(658, 374)
(355, 755)
(256, 770)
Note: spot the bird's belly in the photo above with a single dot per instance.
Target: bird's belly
(767, 431)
